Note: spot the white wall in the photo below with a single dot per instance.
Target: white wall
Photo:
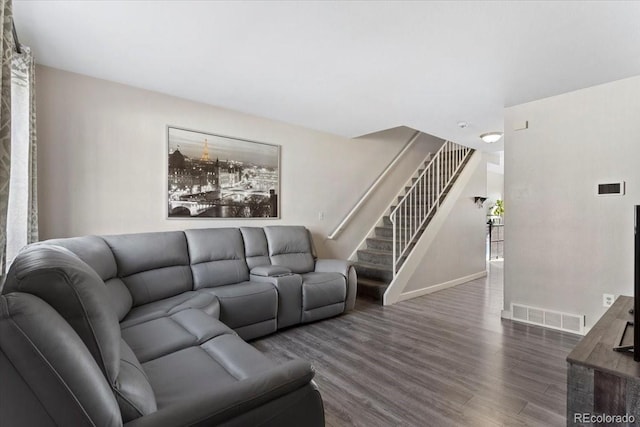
(458, 249)
(103, 156)
(565, 247)
(377, 204)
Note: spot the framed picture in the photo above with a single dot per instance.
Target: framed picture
(216, 176)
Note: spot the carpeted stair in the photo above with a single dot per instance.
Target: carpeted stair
(374, 264)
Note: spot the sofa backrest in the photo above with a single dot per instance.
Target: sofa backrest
(97, 254)
(217, 257)
(153, 266)
(145, 267)
(44, 383)
(256, 248)
(78, 294)
(290, 246)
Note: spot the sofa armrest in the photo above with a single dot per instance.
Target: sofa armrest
(345, 268)
(333, 266)
(219, 404)
(270, 271)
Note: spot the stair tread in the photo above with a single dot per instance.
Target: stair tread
(369, 288)
(375, 275)
(373, 266)
(371, 282)
(383, 239)
(376, 251)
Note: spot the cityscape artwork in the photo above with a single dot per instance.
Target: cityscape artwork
(214, 176)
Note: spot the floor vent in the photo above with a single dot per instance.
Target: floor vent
(547, 318)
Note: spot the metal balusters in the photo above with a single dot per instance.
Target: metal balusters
(424, 197)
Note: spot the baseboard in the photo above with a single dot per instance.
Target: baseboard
(440, 286)
(505, 314)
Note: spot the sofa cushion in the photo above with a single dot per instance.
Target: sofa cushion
(280, 396)
(217, 257)
(97, 254)
(186, 374)
(256, 248)
(159, 337)
(205, 302)
(246, 303)
(321, 289)
(152, 265)
(290, 246)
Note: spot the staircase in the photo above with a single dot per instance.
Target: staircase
(397, 232)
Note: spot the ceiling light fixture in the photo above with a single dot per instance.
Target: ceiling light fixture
(491, 137)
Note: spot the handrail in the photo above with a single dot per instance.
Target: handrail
(424, 197)
(372, 187)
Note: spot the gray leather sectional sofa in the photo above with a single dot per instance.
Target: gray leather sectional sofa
(147, 329)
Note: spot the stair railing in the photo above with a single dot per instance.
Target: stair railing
(373, 186)
(423, 198)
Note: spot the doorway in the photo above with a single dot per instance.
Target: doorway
(495, 206)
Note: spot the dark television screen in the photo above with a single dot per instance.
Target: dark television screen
(636, 288)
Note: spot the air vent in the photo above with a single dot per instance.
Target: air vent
(548, 318)
(610, 189)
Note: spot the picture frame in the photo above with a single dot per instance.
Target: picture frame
(217, 176)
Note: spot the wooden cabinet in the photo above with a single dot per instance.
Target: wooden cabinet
(602, 382)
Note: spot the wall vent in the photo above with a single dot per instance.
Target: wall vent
(610, 189)
(549, 319)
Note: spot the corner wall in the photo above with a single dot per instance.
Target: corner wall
(565, 246)
(102, 160)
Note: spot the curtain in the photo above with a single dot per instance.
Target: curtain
(18, 177)
(22, 214)
(6, 50)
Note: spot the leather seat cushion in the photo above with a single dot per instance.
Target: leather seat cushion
(245, 303)
(203, 301)
(321, 289)
(161, 336)
(184, 375)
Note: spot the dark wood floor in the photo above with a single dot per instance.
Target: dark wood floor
(445, 359)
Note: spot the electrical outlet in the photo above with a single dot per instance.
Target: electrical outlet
(321, 215)
(608, 299)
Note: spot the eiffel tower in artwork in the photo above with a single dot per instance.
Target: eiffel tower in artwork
(205, 151)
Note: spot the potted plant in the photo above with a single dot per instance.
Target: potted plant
(498, 208)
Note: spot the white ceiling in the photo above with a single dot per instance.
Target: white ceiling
(348, 68)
